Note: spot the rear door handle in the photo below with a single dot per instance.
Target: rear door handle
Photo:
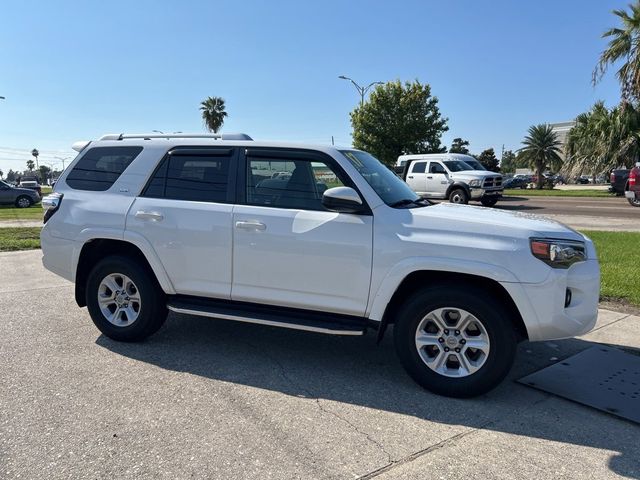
(251, 225)
(154, 216)
(429, 176)
(410, 176)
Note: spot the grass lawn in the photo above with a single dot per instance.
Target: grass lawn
(619, 257)
(516, 192)
(21, 238)
(9, 212)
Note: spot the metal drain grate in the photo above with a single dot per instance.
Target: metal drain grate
(600, 377)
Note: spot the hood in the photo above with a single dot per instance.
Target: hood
(479, 220)
(473, 174)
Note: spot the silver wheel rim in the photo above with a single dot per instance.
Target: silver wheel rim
(23, 202)
(456, 198)
(452, 342)
(119, 299)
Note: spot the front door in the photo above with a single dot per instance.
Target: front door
(437, 180)
(288, 249)
(185, 213)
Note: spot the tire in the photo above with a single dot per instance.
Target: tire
(134, 321)
(489, 202)
(23, 201)
(489, 324)
(458, 195)
(634, 202)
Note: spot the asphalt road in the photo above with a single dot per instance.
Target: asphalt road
(579, 212)
(215, 399)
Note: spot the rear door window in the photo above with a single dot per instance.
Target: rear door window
(419, 167)
(100, 167)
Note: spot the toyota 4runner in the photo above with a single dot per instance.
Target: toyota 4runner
(320, 239)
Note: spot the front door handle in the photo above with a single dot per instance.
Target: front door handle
(429, 176)
(251, 225)
(410, 176)
(154, 216)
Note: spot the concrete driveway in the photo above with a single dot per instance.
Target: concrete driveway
(216, 399)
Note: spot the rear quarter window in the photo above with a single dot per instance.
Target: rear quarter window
(100, 167)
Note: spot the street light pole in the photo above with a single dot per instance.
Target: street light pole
(361, 90)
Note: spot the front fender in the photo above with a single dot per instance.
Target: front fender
(461, 185)
(378, 302)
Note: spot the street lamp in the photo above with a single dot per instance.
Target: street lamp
(2, 98)
(361, 90)
(157, 131)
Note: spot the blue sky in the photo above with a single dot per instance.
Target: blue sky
(74, 70)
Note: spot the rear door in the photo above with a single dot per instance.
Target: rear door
(288, 249)
(417, 177)
(185, 212)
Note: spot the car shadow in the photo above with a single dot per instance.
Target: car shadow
(355, 371)
(517, 208)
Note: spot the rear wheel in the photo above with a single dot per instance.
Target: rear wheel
(458, 195)
(23, 201)
(455, 341)
(634, 202)
(489, 202)
(124, 299)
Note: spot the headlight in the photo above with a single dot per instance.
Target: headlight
(558, 253)
(475, 183)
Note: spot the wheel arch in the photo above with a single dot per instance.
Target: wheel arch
(423, 278)
(460, 185)
(95, 249)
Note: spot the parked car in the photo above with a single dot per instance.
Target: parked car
(619, 179)
(20, 197)
(449, 176)
(32, 185)
(632, 191)
(147, 224)
(516, 182)
(583, 179)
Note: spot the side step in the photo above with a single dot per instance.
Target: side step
(297, 319)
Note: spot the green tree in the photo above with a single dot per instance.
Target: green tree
(213, 113)
(11, 176)
(508, 162)
(44, 172)
(459, 146)
(30, 165)
(399, 119)
(489, 160)
(623, 46)
(541, 150)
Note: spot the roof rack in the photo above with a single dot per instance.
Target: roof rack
(149, 136)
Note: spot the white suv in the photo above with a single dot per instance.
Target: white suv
(334, 243)
(452, 176)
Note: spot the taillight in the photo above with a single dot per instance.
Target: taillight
(51, 204)
(632, 176)
(612, 177)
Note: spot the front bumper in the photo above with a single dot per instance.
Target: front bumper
(479, 192)
(541, 305)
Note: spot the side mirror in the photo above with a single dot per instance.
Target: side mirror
(342, 199)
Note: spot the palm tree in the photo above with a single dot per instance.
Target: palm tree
(541, 150)
(213, 113)
(30, 165)
(624, 45)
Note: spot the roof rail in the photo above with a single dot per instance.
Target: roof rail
(148, 136)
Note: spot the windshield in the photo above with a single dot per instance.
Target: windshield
(389, 187)
(5, 185)
(457, 165)
(475, 164)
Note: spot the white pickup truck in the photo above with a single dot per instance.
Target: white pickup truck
(311, 238)
(450, 176)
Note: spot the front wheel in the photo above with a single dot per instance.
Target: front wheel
(23, 202)
(489, 202)
(458, 195)
(455, 341)
(124, 299)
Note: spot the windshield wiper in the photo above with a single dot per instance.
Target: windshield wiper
(420, 202)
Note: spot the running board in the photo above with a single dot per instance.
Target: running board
(297, 319)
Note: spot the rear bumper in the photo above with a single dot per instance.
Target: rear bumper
(629, 194)
(57, 255)
(541, 305)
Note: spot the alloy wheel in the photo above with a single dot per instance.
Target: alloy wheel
(119, 299)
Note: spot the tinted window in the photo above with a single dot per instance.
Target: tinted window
(419, 167)
(100, 167)
(289, 183)
(195, 178)
(457, 166)
(436, 168)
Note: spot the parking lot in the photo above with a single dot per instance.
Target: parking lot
(216, 399)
